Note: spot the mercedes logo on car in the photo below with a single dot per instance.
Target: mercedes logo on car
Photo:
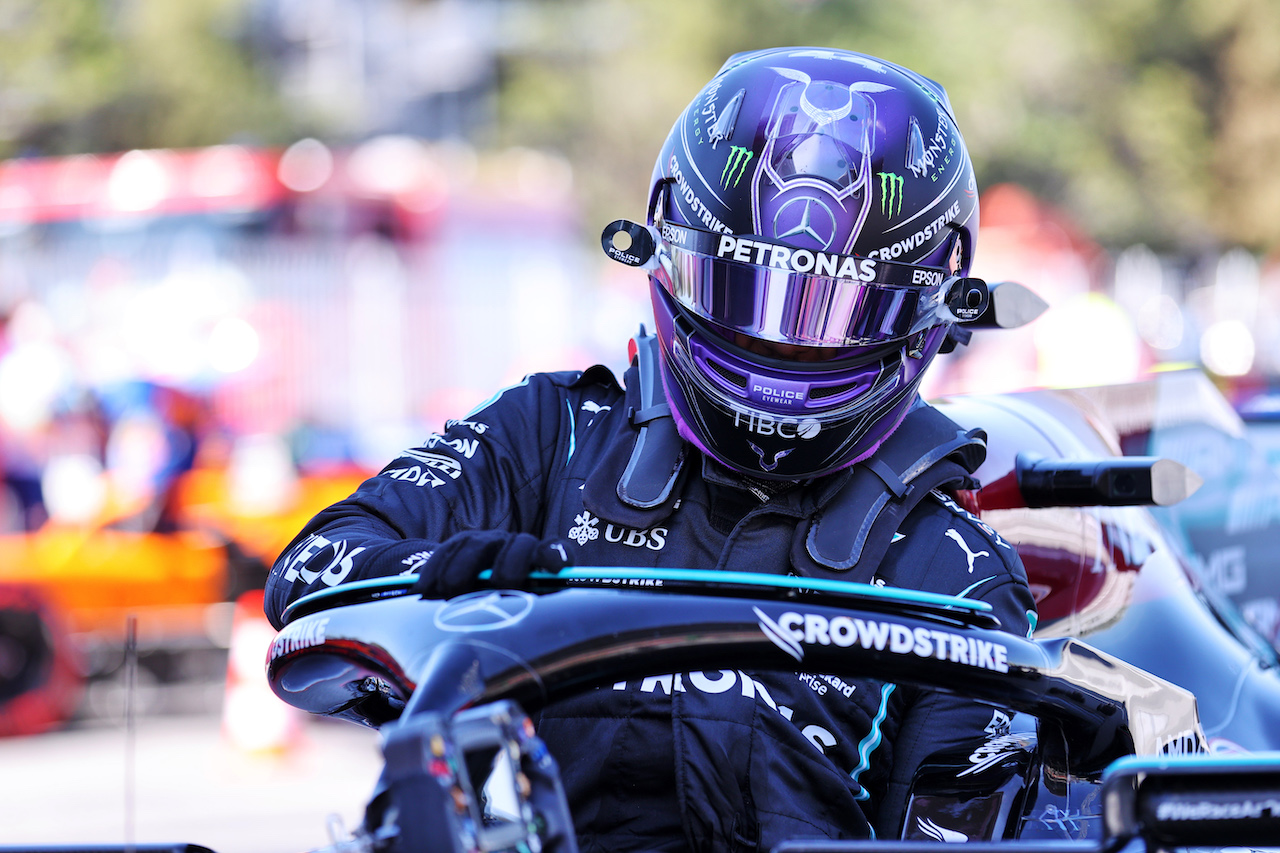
(484, 611)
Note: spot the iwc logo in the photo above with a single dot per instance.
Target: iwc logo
(484, 611)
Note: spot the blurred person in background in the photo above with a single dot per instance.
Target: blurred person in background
(154, 439)
(812, 214)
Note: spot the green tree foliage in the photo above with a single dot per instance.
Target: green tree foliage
(1149, 121)
(87, 75)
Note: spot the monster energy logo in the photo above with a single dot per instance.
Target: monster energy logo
(736, 165)
(890, 194)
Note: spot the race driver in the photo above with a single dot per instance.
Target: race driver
(808, 237)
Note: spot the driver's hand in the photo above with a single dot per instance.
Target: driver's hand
(454, 567)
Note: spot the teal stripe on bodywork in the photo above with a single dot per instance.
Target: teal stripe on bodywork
(712, 576)
(398, 583)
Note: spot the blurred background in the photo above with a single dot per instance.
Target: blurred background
(250, 249)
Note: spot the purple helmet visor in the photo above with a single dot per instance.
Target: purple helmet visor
(796, 296)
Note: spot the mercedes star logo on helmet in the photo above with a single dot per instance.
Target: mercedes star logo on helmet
(488, 610)
(820, 228)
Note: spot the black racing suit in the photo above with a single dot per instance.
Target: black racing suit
(731, 760)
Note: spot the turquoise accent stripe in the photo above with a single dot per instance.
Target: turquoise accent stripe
(713, 576)
(872, 740)
(709, 576)
(573, 432)
(487, 403)
(1033, 619)
(971, 587)
(1193, 762)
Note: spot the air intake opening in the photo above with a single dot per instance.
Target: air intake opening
(728, 375)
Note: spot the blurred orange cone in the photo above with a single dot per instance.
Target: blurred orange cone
(253, 718)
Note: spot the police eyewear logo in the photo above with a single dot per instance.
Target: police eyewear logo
(792, 631)
(484, 611)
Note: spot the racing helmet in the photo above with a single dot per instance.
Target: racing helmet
(811, 223)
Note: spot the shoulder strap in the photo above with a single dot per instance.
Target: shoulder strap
(926, 451)
(636, 486)
(656, 460)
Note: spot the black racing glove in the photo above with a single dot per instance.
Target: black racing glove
(455, 565)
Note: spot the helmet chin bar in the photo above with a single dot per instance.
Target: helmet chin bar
(771, 443)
